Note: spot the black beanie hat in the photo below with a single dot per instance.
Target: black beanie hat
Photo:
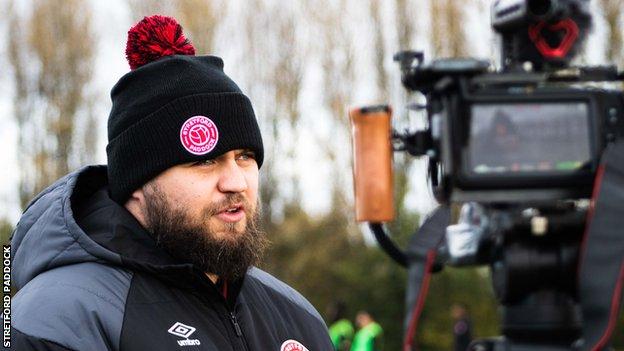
(173, 110)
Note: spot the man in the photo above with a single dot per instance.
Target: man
(156, 251)
(368, 337)
(462, 333)
(340, 328)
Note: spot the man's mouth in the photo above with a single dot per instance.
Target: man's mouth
(232, 213)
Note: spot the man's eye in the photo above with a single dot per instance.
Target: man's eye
(249, 155)
(205, 162)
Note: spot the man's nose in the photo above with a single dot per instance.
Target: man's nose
(232, 178)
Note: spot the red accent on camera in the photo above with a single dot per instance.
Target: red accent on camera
(571, 30)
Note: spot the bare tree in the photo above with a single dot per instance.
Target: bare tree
(52, 69)
(405, 22)
(337, 54)
(448, 37)
(379, 50)
(403, 162)
(335, 47)
(198, 17)
(143, 8)
(273, 65)
(613, 13)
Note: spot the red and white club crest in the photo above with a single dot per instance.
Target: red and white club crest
(199, 135)
(293, 345)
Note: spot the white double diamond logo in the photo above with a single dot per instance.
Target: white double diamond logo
(181, 330)
(184, 331)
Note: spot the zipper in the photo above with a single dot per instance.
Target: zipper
(239, 331)
(233, 320)
(232, 316)
(237, 327)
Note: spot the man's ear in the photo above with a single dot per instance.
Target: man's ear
(136, 205)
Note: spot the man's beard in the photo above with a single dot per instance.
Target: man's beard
(192, 240)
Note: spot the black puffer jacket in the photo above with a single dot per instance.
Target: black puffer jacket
(91, 278)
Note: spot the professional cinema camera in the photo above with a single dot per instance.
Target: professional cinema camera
(535, 153)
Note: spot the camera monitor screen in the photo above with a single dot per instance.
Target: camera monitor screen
(522, 138)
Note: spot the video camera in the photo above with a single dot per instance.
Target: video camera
(524, 148)
(520, 134)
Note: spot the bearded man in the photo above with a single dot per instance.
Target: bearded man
(156, 250)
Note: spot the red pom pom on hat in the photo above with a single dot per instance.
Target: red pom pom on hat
(155, 37)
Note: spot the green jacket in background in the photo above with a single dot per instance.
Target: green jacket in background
(341, 334)
(367, 338)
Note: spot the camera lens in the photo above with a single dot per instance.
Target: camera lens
(540, 7)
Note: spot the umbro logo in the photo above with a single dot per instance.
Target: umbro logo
(184, 331)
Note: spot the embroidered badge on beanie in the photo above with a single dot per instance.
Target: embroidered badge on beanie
(199, 135)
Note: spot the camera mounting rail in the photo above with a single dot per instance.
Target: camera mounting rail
(415, 77)
(480, 72)
(573, 74)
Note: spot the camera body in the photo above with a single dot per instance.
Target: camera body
(515, 136)
(532, 132)
(516, 146)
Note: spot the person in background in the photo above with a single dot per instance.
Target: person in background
(369, 334)
(341, 329)
(462, 329)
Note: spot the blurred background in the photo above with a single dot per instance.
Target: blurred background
(303, 64)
